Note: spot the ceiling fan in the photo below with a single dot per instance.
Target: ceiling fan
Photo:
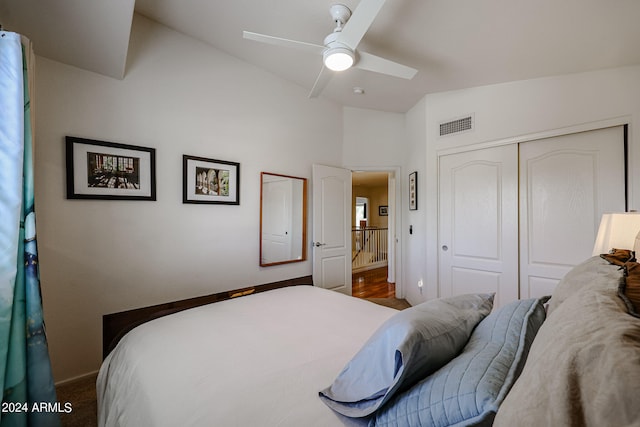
(339, 50)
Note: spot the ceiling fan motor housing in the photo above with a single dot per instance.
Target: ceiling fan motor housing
(337, 56)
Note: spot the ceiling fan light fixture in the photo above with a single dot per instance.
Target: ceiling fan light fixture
(338, 58)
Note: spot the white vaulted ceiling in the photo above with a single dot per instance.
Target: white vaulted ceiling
(454, 44)
(89, 34)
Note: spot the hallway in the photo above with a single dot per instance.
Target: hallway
(372, 284)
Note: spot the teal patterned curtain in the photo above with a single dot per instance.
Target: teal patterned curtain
(29, 397)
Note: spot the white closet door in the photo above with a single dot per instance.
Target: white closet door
(566, 184)
(479, 223)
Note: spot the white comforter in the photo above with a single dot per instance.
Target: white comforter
(258, 360)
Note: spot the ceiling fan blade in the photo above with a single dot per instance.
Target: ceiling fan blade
(278, 41)
(376, 64)
(359, 23)
(321, 82)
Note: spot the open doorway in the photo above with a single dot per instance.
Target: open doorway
(372, 234)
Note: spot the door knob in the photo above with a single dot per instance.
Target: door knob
(316, 244)
(445, 248)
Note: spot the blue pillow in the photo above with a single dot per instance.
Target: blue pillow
(470, 388)
(406, 348)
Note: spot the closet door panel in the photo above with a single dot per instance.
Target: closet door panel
(539, 286)
(566, 184)
(478, 230)
(476, 210)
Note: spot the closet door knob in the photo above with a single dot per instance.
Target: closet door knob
(445, 248)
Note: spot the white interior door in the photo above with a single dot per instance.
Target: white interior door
(478, 235)
(566, 184)
(332, 228)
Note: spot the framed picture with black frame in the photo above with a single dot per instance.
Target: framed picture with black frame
(102, 170)
(210, 181)
(413, 191)
(383, 210)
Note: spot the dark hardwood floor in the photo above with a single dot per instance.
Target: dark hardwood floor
(372, 284)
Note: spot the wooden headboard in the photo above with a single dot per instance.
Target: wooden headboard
(116, 325)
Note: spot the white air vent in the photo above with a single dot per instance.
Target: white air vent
(463, 124)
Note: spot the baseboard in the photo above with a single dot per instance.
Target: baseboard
(77, 378)
(367, 267)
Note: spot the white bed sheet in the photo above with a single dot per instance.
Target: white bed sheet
(258, 360)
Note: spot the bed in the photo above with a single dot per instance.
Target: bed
(258, 360)
(304, 356)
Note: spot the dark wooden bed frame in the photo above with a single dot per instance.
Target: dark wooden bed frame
(116, 325)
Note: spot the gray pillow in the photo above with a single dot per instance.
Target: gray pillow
(583, 367)
(405, 349)
(594, 273)
(469, 389)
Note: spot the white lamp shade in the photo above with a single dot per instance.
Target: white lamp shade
(617, 230)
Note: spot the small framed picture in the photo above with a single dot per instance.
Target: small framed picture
(109, 171)
(383, 210)
(210, 181)
(413, 191)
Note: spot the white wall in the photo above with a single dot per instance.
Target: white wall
(373, 138)
(179, 96)
(415, 245)
(518, 111)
